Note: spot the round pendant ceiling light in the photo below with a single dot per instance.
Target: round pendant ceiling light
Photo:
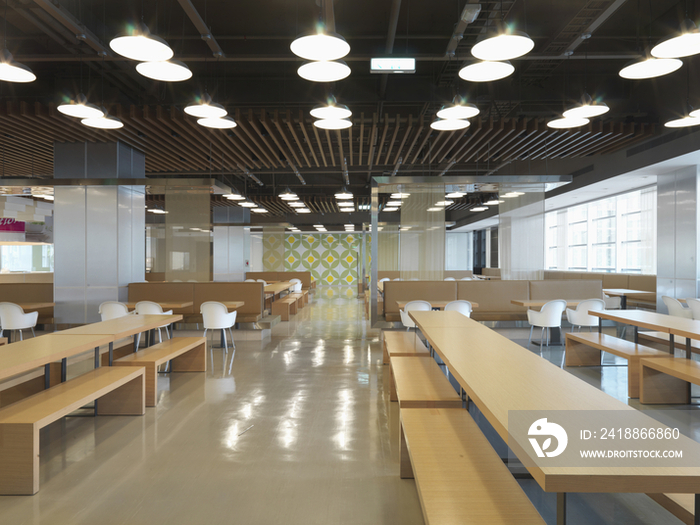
(217, 123)
(503, 45)
(345, 204)
(103, 122)
(166, 71)
(333, 123)
(683, 122)
(288, 195)
(478, 208)
(343, 194)
(449, 124)
(458, 110)
(588, 108)
(139, 44)
(324, 71)
(684, 44)
(455, 195)
(234, 196)
(248, 204)
(258, 210)
(567, 123)
(400, 195)
(296, 204)
(486, 71)
(332, 110)
(81, 108)
(12, 71)
(650, 67)
(205, 108)
(320, 46)
(303, 210)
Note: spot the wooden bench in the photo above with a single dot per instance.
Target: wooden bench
(660, 341)
(418, 382)
(585, 349)
(459, 477)
(681, 506)
(304, 294)
(299, 296)
(667, 380)
(403, 344)
(285, 307)
(119, 391)
(187, 354)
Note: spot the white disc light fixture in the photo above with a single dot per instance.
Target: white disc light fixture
(288, 195)
(104, 122)
(165, 71)
(80, 108)
(458, 110)
(217, 123)
(139, 44)
(203, 107)
(343, 194)
(567, 123)
(449, 124)
(588, 108)
(650, 67)
(486, 71)
(12, 71)
(324, 71)
(332, 110)
(331, 124)
(684, 44)
(503, 45)
(320, 46)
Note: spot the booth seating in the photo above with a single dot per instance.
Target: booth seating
(566, 289)
(26, 277)
(415, 290)
(304, 277)
(459, 477)
(251, 294)
(29, 292)
(629, 281)
(494, 299)
(492, 273)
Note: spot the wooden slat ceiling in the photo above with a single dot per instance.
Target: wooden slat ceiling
(282, 140)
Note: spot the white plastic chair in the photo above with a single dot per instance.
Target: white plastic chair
(398, 279)
(548, 317)
(151, 308)
(385, 279)
(12, 317)
(297, 285)
(466, 279)
(249, 280)
(580, 317)
(694, 305)
(420, 306)
(612, 302)
(112, 310)
(676, 308)
(215, 316)
(261, 281)
(449, 279)
(461, 306)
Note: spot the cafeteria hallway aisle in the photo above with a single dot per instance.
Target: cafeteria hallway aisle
(298, 431)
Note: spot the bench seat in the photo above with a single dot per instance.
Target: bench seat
(285, 307)
(403, 344)
(119, 391)
(660, 341)
(459, 477)
(667, 380)
(586, 348)
(418, 382)
(187, 354)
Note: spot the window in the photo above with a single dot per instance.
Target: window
(458, 250)
(26, 258)
(615, 234)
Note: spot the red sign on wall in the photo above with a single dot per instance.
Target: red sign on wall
(11, 225)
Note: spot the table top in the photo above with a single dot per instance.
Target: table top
(669, 324)
(278, 287)
(233, 305)
(435, 304)
(24, 356)
(125, 326)
(539, 303)
(165, 305)
(498, 376)
(31, 307)
(623, 291)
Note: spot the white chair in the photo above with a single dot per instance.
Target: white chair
(466, 279)
(385, 279)
(12, 317)
(398, 279)
(151, 308)
(420, 306)
(215, 316)
(461, 306)
(250, 280)
(676, 308)
(694, 305)
(548, 317)
(112, 310)
(449, 279)
(612, 302)
(580, 317)
(261, 281)
(297, 285)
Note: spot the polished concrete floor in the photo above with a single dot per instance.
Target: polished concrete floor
(298, 429)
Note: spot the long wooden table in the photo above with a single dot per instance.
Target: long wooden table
(622, 293)
(122, 327)
(32, 307)
(539, 303)
(278, 288)
(435, 304)
(501, 376)
(165, 305)
(233, 305)
(669, 324)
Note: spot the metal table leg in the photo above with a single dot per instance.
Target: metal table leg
(561, 508)
(688, 347)
(111, 353)
(636, 335)
(64, 369)
(696, 519)
(671, 345)
(47, 376)
(97, 357)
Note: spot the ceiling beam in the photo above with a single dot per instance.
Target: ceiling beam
(202, 27)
